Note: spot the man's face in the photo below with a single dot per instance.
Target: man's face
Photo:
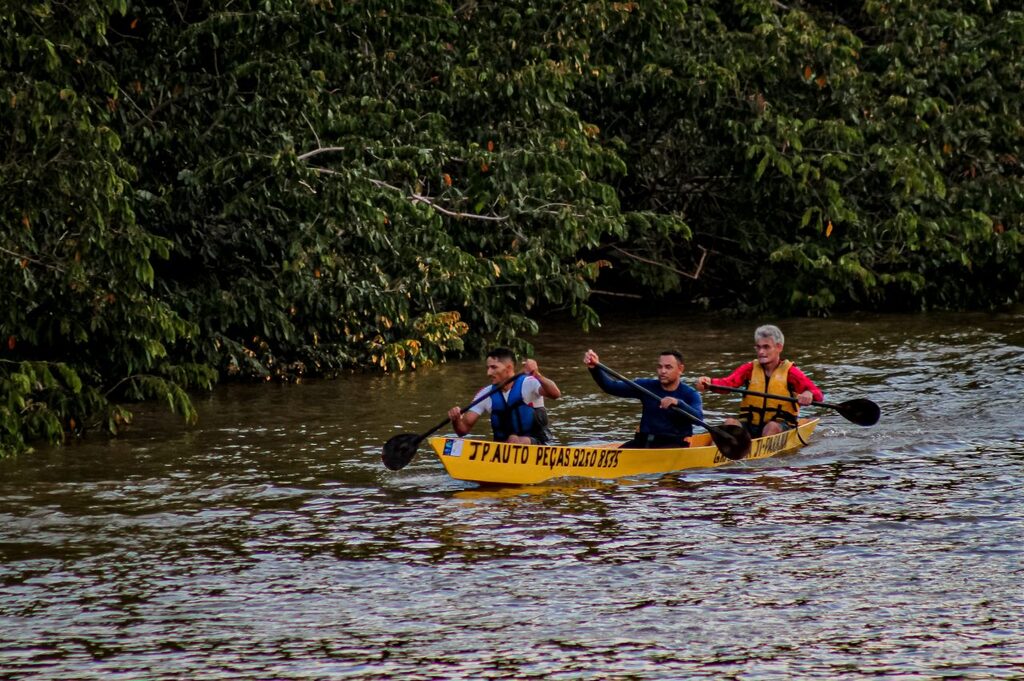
(768, 351)
(669, 370)
(499, 370)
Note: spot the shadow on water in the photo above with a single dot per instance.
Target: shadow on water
(269, 542)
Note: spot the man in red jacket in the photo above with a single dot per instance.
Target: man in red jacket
(763, 416)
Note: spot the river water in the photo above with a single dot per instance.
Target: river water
(268, 542)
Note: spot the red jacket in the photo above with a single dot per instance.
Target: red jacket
(797, 381)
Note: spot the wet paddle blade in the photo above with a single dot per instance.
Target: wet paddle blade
(732, 440)
(860, 411)
(399, 450)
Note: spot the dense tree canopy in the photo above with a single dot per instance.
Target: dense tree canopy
(255, 190)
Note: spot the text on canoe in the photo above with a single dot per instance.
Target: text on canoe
(574, 457)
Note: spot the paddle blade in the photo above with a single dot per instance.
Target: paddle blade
(732, 441)
(399, 450)
(860, 411)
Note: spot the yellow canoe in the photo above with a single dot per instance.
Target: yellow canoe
(502, 463)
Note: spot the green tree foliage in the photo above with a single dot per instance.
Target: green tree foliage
(302, 187)
(344, 177)
(81, 325)
(833, 155)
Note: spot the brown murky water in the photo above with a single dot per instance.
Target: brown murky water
(269, 543)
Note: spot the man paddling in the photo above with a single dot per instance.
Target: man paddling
(517, 411)
(763, 416)
(660, 425)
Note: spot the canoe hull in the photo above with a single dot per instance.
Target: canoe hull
(502, 463)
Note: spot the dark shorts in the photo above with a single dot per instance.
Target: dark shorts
(755, 431)
(649, 441)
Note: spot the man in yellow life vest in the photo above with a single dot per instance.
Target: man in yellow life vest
(763, 416)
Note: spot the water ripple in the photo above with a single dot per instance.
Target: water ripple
(269, 542)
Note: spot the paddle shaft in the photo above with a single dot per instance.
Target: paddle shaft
(678, 408)
(861, 411)
(475, 402)
(786, 398)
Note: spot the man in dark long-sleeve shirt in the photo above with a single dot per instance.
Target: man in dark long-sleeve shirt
(660, 425)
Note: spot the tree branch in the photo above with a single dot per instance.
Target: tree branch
(420, 198)
(26, 258)
(695, 275)
(318, 150)
(597, 291)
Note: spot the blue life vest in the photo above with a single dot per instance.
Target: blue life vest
(512, 417)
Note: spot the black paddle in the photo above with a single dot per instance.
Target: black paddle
(733, 441)
(399, 450)
(861, 411)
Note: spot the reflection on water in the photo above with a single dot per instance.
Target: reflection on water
(269, 542)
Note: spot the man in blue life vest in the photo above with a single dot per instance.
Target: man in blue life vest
(763, 416)
(517, 410)
(660, 425)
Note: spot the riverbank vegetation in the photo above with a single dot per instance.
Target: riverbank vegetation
(194, 191)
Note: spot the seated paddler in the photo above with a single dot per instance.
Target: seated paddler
(660, 424)
(515, 403)
(769, 373)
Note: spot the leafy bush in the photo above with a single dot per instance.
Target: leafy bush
(310, 187)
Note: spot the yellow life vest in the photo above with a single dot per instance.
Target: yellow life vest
(760, 410)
